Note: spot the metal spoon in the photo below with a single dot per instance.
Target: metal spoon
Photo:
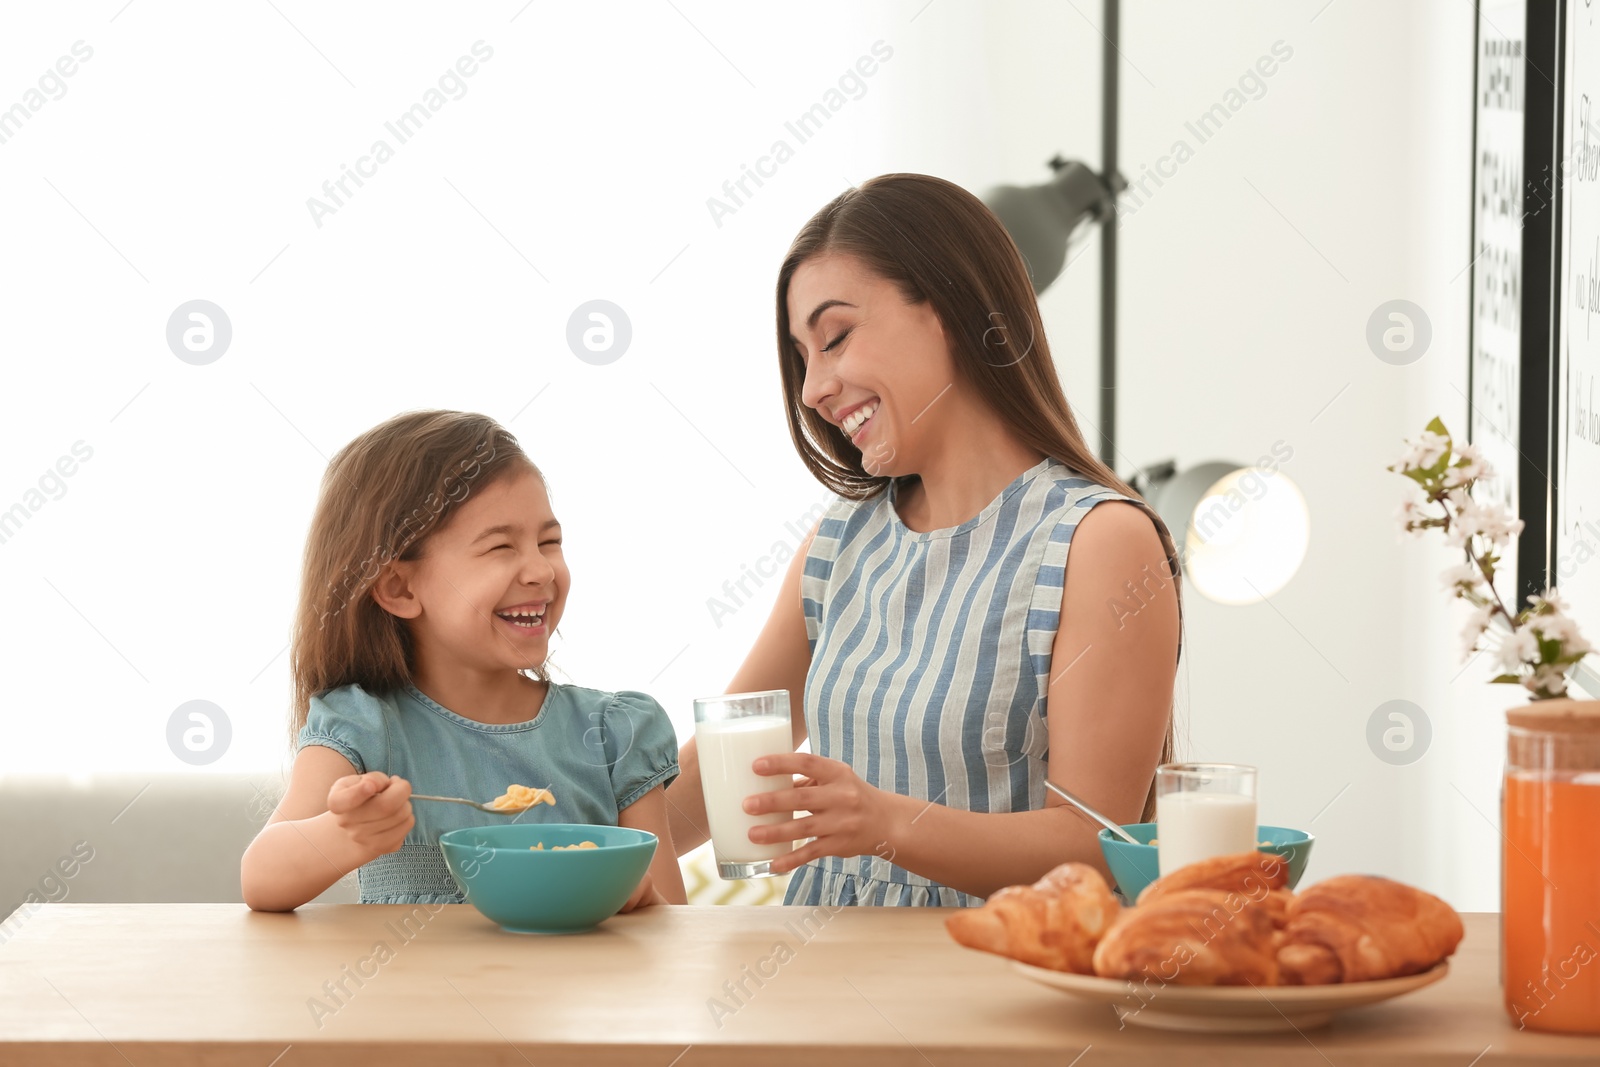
(1095, 815)
(488, 807)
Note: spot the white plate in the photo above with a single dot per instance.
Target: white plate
(1227, 1009)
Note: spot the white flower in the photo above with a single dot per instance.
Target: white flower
(1499, 524)
(1551, 627)
(1518, 649)
(1462, 575)
(1477, 622)
(1490, 521)
(1551, 597)
(1424, 451)
(1468, 472)
(1546, 681)
(1408, 514)
(1562, 628)
(1481, 530)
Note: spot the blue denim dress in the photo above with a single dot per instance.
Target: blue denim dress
(597, 752)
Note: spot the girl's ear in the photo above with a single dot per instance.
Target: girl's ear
(392, 590)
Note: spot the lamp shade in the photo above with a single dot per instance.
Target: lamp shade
(1042, 219)
(1242, 531)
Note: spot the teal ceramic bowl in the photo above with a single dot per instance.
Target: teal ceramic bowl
(1136, 866)
(532, 891)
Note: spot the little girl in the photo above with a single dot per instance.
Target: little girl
(433, 578)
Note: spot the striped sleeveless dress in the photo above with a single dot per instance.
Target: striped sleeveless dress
(930, 661)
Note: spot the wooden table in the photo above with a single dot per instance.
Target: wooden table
(342, 984)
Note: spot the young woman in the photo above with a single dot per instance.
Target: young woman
(964, 621)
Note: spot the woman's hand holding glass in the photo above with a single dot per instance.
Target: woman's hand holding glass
(847, 816)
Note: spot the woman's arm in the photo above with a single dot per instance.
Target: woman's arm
(329, 822)
(649, 812)
(778, 660)
(1113, 668)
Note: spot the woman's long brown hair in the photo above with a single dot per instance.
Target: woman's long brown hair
(382, 496)
(939, 244)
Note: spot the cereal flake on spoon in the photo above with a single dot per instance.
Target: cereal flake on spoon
(521, 798)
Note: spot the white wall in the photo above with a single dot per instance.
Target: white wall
(585, 151)
(1249, 278)
(577, 165)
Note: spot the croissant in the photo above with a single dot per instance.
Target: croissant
(1357, 927)
(1260, 877)
(1192, 937)
(1055, 922)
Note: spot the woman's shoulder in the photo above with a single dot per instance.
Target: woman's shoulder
(844, 521)
(1076, 488)
(842, 514)
(1070, 497)
(1125, 538)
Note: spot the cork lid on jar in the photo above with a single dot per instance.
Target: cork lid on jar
(1562, 715)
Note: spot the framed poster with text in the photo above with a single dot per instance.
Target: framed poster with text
(1575, 551)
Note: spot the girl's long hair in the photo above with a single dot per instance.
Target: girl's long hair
(382, 496)
(940, 244)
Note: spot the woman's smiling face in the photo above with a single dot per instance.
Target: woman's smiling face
(491, 584)
(874, 364)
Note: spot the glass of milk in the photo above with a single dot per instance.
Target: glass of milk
(731, 732)
(1203, 810)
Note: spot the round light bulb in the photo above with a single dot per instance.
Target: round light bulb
(1247, 537)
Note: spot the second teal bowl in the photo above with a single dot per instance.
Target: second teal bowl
(1136, 866)
(542, 891)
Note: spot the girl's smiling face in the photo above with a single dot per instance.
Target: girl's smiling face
(490, 585)
(874, 364)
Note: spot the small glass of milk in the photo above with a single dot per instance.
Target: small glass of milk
(1203, 810)
(731, 732)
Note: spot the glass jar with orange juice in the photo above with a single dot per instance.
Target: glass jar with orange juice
(1550, 866)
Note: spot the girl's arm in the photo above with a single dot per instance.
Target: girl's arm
(649, 812)
(779, 659)
(330, 822)
(1114, 667)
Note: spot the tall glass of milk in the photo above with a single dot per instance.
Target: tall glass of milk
(731, 732)
(1203, 810)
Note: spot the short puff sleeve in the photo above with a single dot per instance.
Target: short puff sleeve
(353, 723)
(641, 746)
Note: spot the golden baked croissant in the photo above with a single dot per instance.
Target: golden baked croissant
(1191, 937)
(1055, 922)
(1358, 927)
(1242, 872)
(1259, 876)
